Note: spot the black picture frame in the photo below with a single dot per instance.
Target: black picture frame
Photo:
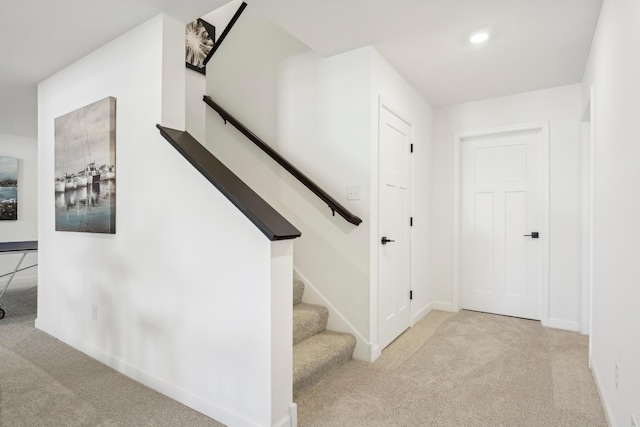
(200, 37)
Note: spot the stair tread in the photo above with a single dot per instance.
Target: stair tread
(316, 356)
(308, 320)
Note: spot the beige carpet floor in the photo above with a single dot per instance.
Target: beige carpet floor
(467, 369)
(44, 382)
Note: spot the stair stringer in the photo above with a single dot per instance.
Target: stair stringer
(337, 322)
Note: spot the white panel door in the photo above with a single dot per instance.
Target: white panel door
(394, 310)
(501, 207)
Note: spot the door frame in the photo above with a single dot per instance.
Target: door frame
(460, 139)
(588, 147)
(376, 351)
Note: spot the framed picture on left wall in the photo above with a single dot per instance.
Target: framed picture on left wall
(85, 168)
(8, 188)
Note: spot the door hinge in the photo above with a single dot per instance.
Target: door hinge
(410, 295)
(412, 148)
(411, 222)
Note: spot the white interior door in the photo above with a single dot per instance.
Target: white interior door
(501, 207)
(394, 309)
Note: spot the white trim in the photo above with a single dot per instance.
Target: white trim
(587, 216)
(415, 318)
(569, 325)
(375, 351)
(444, 306)
(283, 422)
(592, 171)
(337, 321)
(286, 421)
(543, 128)
(608, 413)
(401, 115)
(293, 413)
(209, 408)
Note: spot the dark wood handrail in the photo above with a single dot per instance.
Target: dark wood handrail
(226, 31)
(305, 180)
(266, 218)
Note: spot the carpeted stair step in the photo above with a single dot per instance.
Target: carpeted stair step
(308, 320)
(298, 290)
(315, 356)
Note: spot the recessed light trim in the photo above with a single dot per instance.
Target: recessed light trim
(479, 38)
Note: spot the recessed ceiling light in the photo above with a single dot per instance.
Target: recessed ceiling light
(478, 38)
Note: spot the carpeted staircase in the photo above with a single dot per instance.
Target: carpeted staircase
(316, 351)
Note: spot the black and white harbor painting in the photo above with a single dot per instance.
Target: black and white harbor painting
(8, 188)
(85, 168)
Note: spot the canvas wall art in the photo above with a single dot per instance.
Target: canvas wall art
(8, 188)
(85, 168)
(199, 40)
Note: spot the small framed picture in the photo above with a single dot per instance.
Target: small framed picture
(199, 39)
(8, 188)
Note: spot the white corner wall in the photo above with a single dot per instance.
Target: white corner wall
(321, 114)
(391, 88)
(183, 290)
(316, 114)
(613, 71)
(26, 227)
(325, 130)
(561, 108)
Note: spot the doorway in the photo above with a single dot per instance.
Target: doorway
(501, 221)
(394, 233)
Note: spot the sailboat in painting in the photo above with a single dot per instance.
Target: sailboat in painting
(85, 168)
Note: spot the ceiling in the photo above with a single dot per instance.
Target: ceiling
(535, 44)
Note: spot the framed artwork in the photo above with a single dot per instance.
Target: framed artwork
(8, 188)
(199, 39)
(85, 169)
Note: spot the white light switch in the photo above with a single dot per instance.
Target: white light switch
(353, 192)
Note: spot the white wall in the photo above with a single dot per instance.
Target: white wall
(613, 71)
(325, 130)
(220, 17)
(196, 85)
(561, 108)
(397, 94)
(261, 75)
(320, 114)
(196, 113)
(26, 227)
(184, 288)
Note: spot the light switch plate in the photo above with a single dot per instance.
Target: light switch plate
(353, 192)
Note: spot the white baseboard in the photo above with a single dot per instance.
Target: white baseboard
(337, 321)
(211, 409)
(376, 352)
(283, 422)
(293, 414)
(568, 325)
(608, 414)
(415, 318)
(443, 306)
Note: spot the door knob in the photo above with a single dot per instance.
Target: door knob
(384, 240)
(533, 235)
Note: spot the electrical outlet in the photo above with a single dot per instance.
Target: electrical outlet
(617, 377)
(633, 421)
(94, 312)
